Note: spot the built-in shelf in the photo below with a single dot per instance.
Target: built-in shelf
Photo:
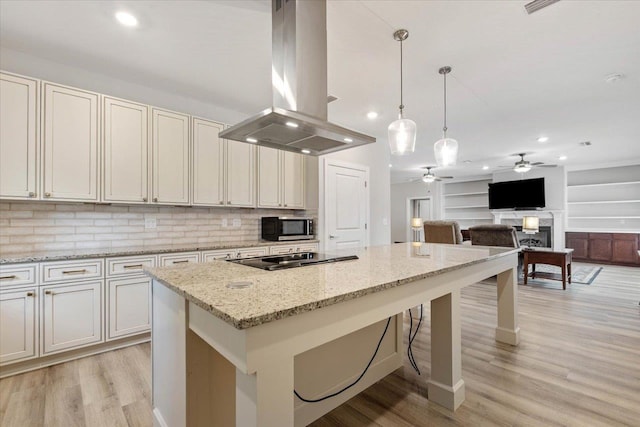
(468, 207)
(475, 193)
(605, 217)
(601, 184)
(602, 202)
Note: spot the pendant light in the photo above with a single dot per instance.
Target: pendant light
(445, 149)
(402, 132)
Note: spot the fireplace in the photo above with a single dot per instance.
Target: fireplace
(551, 225)
(541, 239)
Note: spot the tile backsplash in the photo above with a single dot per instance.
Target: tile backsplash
(44, 226)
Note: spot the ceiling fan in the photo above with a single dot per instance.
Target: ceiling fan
(430, 177)
(523, 166)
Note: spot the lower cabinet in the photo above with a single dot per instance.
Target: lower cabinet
(18, 325)
(128, 306)
(71, 316)
(290, 249)
(605, 248)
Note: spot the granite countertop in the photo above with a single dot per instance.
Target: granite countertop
(15, 258)
(278, 294)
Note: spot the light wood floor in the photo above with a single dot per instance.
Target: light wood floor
(578, 365)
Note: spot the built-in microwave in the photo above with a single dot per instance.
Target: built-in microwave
(279, 228)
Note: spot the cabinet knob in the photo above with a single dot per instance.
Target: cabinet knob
(155, 199)
(285, 205)
(47, 194)
(32, 194)
(29, 294)
(221, 202)
(144, 199)
(48, 293)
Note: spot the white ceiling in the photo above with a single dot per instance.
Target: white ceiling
(515, 76)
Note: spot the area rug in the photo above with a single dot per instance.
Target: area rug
(579, 274)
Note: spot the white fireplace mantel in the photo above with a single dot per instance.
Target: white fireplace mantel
(556, 216)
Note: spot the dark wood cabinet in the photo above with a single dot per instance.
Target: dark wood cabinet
(605, 248)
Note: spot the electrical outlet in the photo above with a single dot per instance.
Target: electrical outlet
(224, 223)
(150, 223)
(237, 222)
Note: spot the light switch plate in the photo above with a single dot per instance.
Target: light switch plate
(150, 223)
(237, 222)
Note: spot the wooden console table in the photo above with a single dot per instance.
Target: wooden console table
(560, 258)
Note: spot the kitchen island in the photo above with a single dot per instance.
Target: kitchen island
(231, 343)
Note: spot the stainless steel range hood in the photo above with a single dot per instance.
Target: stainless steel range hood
(298, 119)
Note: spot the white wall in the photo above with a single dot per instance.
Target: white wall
(555, 184)
(400, 194)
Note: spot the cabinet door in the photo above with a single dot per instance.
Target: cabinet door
(579, 242)
(241, 174)
(600, 246)
(208, 163)
(71, 316)
(70, 144)
(18, 311)
(170, 157)
(129, 310)
(19, 125)
(125, 151)
(293, 180)
(269, 178)
(625, 248)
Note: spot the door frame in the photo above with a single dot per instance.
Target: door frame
(323, 230)
(409, 213)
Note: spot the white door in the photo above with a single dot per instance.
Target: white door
(293, 185)
(126, 151)
(129, 306)
(346, 206)
(70, 144)
(208, 163)
(19, 112)
(71, 316)
(241, 161)
(170, 157)
(269, 178)
(17, 325)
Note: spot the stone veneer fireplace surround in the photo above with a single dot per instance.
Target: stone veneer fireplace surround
(549, 218)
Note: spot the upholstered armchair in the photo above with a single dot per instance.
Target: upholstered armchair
(442, 232)
(494, 235)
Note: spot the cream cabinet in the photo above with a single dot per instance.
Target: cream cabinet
(208, 165)
(213, 255)
(71, 316)
(19, 145)
(125, 151)
(170, 147)
(18, 325)
(241, 165)
(291, 249)
(128, 306)
(167, 260)
(280, 179)
(70, 144)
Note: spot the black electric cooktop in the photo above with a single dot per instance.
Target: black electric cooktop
(279, 262)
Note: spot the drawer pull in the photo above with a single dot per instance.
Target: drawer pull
(13, 276)
(181, 262)
(137, 266)
(48, 292)
(144, 199)
(29, 294)
(155, 199)
(75, 271)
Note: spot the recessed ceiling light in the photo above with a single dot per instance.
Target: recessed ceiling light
(372, 115)
(292, 124)
(585, 143)
(563, 157)
(305, 151)
(485, 167)
(348, 140)
(126, 19)
(543, 139)
(390, 165)
(252, 140)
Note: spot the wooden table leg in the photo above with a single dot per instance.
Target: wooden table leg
(564, 276)
(526, 269)
(508, 331)
(569, 268)
(446, 386)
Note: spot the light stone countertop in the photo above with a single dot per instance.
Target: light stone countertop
(21, 257)
(283, 293)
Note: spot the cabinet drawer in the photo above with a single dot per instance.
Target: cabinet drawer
(251, 252)
(177, 259)
(71, 270)
(18, 275)
(289, 249)
(129, 265)
(209, 256)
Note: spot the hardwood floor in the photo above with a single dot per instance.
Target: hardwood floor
(578, 364)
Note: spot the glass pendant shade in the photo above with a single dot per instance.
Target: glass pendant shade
(446, 152)
(402, 136)
(522, 168)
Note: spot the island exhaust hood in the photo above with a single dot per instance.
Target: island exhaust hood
(298, 119)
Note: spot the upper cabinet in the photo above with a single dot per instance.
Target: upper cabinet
(19, 118)
(125, 151)
(241, 166)
(280, 179)
(70, 144)
(208, 163)
(170, 157)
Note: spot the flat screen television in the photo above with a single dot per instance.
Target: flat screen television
(520, 195)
